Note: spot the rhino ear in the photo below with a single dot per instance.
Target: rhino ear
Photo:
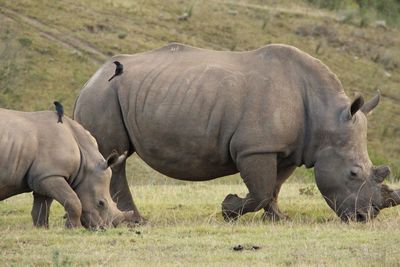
(370, 105)
(114, 159)
(355, 106)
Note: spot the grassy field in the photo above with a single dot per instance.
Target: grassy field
(49, 49)
(186, 228)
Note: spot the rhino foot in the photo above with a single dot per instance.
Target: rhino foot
(231, 207)
(272, 213)
(72, 223)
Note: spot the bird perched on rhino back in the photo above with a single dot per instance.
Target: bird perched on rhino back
(60, 111)
(119, 69)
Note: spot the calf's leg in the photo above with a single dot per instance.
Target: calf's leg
(40, 210)
(259, 173)
(57, 188)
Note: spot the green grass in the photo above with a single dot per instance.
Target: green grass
(186, 228)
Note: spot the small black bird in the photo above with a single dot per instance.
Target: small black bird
(60, 110)
(119, 69)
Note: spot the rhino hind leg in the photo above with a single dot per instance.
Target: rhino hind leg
(40, 210)
(272, 211)
(56, 187)
(259, 174)
(121, 194)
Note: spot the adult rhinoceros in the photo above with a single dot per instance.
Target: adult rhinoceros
(57, 161)
(195, 115)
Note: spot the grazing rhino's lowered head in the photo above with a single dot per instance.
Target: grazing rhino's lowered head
(98, 208)
(345, 175)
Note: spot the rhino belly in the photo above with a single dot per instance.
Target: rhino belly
(186, 159)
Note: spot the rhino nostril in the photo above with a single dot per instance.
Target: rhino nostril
(101, 204)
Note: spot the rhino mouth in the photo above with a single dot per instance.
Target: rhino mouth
(360, 215)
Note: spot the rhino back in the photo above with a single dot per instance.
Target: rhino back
(182, 107)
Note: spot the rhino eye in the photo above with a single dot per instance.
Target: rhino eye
(101, 204)
(354, 172)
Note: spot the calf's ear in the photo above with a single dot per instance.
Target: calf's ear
(114, 159)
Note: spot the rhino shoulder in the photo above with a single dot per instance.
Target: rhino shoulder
(302, 62)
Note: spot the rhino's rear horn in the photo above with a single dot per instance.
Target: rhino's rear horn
(380, 173)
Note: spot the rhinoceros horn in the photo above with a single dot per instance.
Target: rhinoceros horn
(390, 197)
(123, 216)
(114, 159)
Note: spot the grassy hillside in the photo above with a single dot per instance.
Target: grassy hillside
(48, 49)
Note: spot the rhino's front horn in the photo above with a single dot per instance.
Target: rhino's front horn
(128, 215)
(124, 216)
(390, 197)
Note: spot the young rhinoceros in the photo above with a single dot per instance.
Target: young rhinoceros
(57, 161)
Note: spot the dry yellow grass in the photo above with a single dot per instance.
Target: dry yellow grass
(186, 228)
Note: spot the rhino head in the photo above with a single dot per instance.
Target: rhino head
(344, 173)
(98, 208)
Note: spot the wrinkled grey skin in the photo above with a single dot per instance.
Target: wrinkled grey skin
(57, 161)
(196, 115)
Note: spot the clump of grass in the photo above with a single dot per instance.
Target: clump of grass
(24, 41)
(122, 35)
(309, 190)
(56, 258)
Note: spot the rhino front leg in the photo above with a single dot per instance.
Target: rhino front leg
(259, 174)
(272, 211)
(41, 209)
(57, 188)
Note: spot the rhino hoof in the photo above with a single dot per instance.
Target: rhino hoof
(231, 207)
(273, 217)
(273, 214)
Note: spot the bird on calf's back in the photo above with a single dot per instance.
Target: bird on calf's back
(60, 110)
